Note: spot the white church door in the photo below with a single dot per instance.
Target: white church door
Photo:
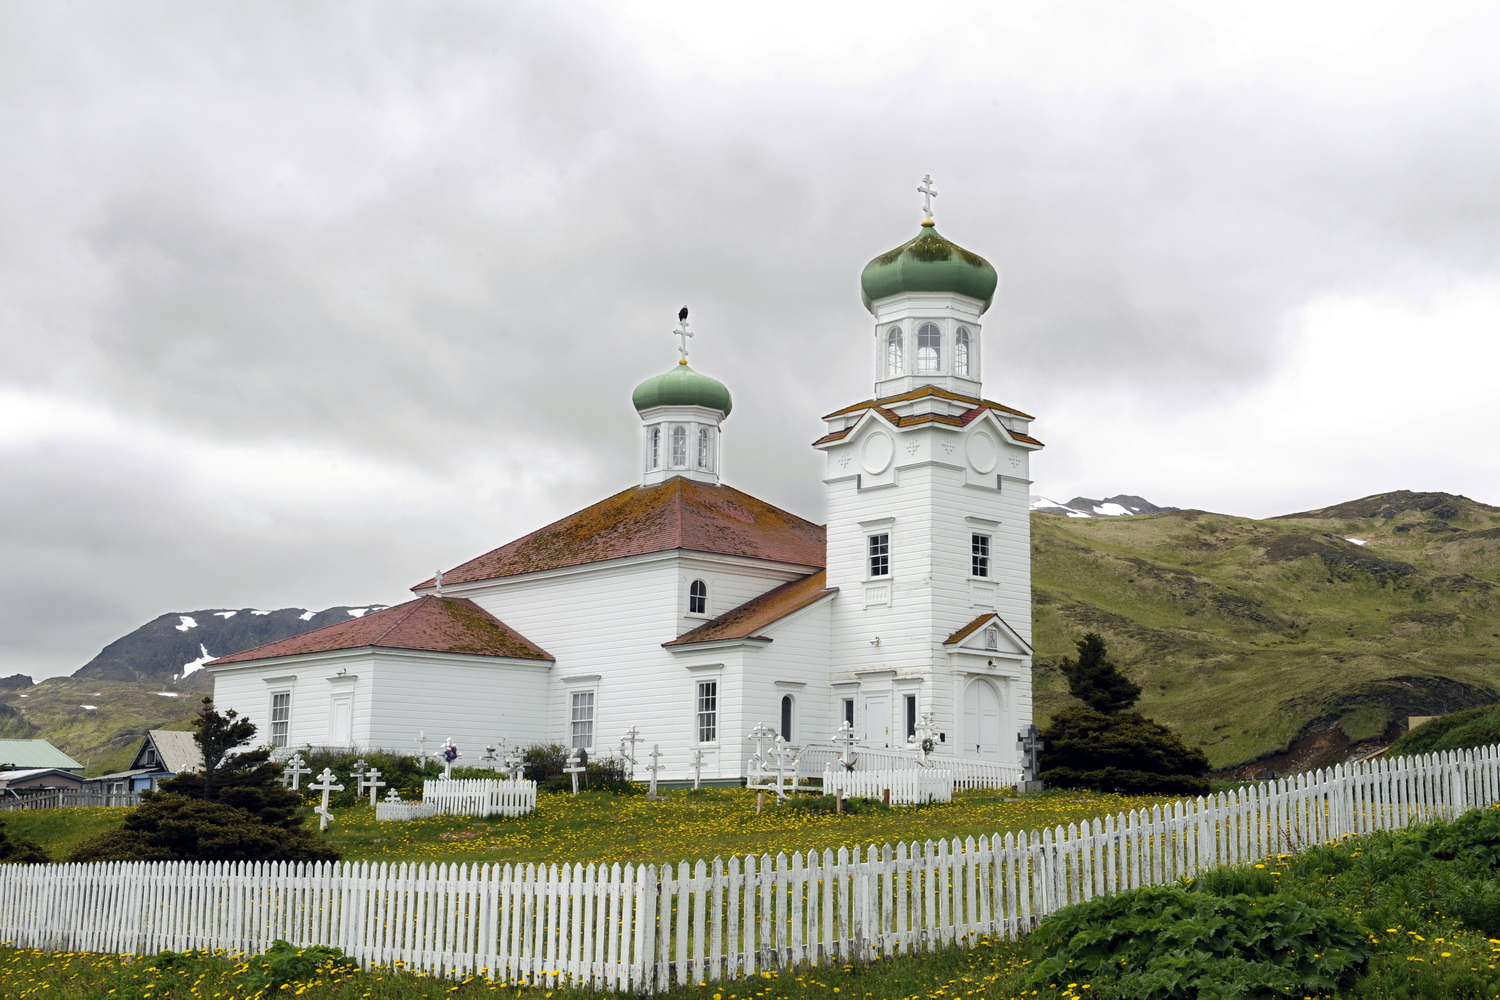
(982, 718)
(341, 720)
(878, 719)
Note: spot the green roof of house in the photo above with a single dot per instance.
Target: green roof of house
(682, 387)
(928, 263)
(35, 753)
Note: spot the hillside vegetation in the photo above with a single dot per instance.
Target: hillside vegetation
(1246, 635)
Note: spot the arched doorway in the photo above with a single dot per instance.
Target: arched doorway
(982, 718)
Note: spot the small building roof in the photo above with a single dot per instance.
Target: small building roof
(677, 514)
(23, 774)
(177, 752)
(436, 624)
(35, 753)
(745, 621)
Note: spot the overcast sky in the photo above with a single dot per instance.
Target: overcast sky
(300, 302)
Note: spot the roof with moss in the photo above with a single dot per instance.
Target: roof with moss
(682, 387)
(928, 263)
(677, 514)
(745, 621)
(435, 624)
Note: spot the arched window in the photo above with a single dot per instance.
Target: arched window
(655, 456)
(679, 447)
(786, 717)
(704, 456)
(929, 348)
(961, 352)
(893, 352)
(697, 598)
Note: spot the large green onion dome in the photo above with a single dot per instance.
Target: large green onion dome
(928, 263)
(682, 387)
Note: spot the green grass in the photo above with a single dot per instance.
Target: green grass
(683, 826)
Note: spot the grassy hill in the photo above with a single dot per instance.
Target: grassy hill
(104, 737)
(1249, 635)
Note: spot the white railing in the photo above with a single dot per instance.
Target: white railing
(909, 787)
(68, 798)
(464, 797)
(968, 772)
(643, 928)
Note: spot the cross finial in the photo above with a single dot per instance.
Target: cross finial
(683, 333)
(928, 193)
(437, 586)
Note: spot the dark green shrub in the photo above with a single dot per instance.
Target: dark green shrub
(1474, 836)
(20, 850)
(1095, 680)
(1477, 727)
(1235, 882)
(1125, 752)
(829, 803)
(1163, 943)
(283, 964)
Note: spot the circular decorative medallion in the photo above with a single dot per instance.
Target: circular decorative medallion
(982, 452)
(877, 452)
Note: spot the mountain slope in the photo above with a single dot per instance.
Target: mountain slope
(1334, 623)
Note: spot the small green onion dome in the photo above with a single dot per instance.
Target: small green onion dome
(682, 387)
(928, 263)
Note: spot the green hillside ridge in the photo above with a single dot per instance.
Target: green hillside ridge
(1245, 633)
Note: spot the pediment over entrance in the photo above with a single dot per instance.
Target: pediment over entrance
(988, 635)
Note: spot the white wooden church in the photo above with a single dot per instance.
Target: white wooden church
(694, 612)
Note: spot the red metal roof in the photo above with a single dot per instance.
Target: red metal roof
(755, 614)
(929, 390)
(677, 514)
(439, 624)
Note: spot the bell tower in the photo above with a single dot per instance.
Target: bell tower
(681, 411)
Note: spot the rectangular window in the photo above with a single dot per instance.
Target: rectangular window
(979, 559)
(708, 711)
(911, 717)
(281, 717)
(880, 555)
(849, 711)
(582, 719)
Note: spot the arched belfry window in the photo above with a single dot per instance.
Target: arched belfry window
(705, 453)
(697, 598)
(654, 458)
(679, 447)
(786, 717)
(929, 348)
(893, 351)
(961, 349)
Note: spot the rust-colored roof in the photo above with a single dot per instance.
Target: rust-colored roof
(440, 624)
(676, 514)
(963, 420)
(758, 612)
(968, 629)
(929, 390)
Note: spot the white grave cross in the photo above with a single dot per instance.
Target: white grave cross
(846, 736)
(449, 753)
(422, 742)
(325, 784)
(577, 764)
(358, 774)
(372, 781)
(291, 775)
(697, 767)
(654, 767)
(631, 738)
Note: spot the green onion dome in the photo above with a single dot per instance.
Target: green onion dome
(928, 263)
(682, 387)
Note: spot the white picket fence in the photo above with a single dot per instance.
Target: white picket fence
(68, 798)
(464, 797)
(905, 787)
(644, 928)
(968, 772)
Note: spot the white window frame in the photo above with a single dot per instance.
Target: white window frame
(705, 449)
(280, 729)
(980, 548)
(963, 350)
(788, 717)
(678, 449)
(846, 711)
(895, 352)
(582, 711)
(878, 555)
(706, 711)
(703, 610)
(653, 449)
(933, 334)
(909, 716)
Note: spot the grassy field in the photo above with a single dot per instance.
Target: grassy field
(683, 826)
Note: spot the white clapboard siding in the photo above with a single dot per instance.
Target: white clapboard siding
(907, 787)
(642, 929)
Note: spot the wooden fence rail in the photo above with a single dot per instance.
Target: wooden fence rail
(644, 928)
(68, 798)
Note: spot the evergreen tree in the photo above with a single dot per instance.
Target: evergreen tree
(234, 809)
(1094, 680)
(17, 849)
(1102, 746)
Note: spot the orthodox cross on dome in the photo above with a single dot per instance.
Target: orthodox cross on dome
(683, 333)
(928, 193)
